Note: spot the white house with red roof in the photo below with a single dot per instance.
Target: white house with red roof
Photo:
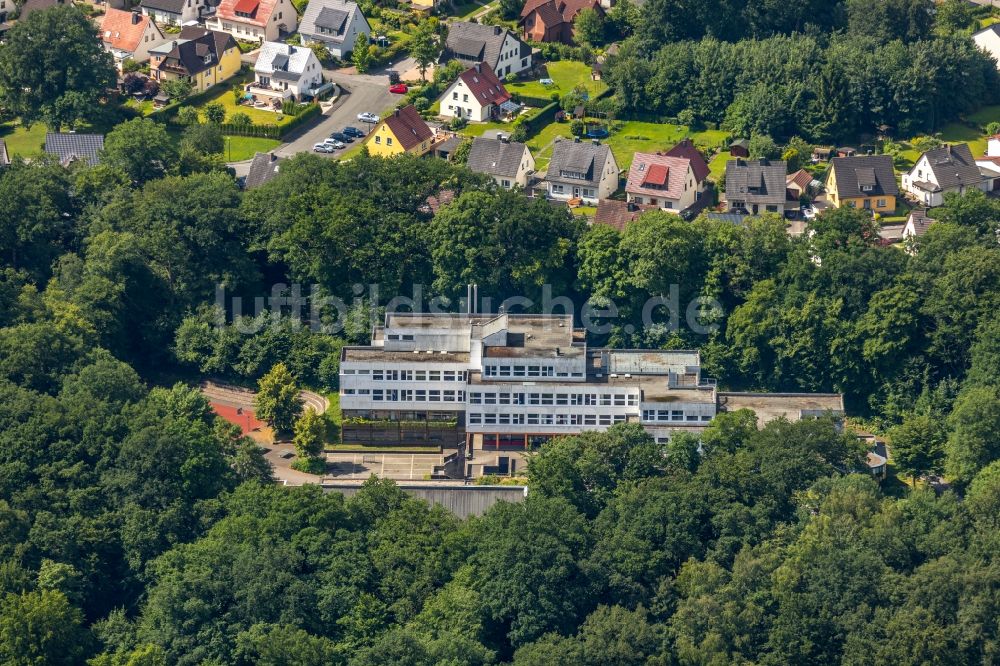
(477, 94)
(665, 181)
(255, 20)
(129, 35)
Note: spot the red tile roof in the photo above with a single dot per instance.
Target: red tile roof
(568, 9)
(484, 85)
(123, 30)
(687, 150)
(408, 127)
(657, 175)
(259, 11)
(802, 178)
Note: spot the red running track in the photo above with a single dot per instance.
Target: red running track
(242, 417)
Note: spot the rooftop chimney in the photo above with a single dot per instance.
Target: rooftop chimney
(496, 30)
(479, 68)
(396, 113)
(136, 17)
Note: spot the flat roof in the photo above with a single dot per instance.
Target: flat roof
(377, 354)
(771, 406)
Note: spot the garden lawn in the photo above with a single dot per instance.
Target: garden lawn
(239, 148)
(224, 95)
(21, 141)
(566, 75)
(717, 167)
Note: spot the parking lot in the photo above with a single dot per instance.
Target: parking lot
(398, 466)
(360, 93)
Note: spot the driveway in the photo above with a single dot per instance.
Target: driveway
(359, 93)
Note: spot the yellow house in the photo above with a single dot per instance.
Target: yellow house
(404, 131)
(867, 182)
(203, 57)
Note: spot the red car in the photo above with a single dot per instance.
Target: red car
(398, 89)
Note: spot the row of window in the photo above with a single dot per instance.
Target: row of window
(412, 375)
(409, 395)
(660, 415)
(475, 418)
(526, 371)
(401, 336)
(503, 398)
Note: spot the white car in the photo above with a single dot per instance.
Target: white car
(323, 148)
(367, 117)
(808, 212)
(333, 143)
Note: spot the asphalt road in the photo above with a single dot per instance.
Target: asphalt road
(360, 92)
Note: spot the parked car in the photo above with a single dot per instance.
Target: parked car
(367, 117)
(353, 132)
(808, 212)
(340, 136)
(398, 89)
(337, 145)
(323, 148)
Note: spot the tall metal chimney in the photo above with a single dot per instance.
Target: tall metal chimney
(475, 299)
(468, 298)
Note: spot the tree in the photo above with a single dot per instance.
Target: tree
(41, 628)
(249, 463)
(763, 147)
(187, 115)
(361, 56)
(424, 46)
(178, 89)
(917, 445)
(974, 441)
(310, 435)
(52, 69)
(953, 15)
(461, 154)
(215, 113)
(141, 148)
(240, 119)
(204, 138)
(277, 400)
(589, 27)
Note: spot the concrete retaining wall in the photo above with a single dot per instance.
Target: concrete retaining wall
(463, 501)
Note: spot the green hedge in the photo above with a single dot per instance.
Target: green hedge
(269, 131)
(539, 119)
(527, 100)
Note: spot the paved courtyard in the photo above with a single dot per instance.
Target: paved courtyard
(398, 466)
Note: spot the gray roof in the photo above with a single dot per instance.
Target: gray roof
(953, 166)
(854, 173)
(170, 6)
(70, 147)
(496, 158)
(755, 181)
(572, 157)
(472, 43)
(335, 15)
(263, 168)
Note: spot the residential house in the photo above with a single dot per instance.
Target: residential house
(552, 20)
(943, 170)
(799, 185)
(989, 164)
(917, 223)
(509, 163)
(666, 182)
(263, 168)
(335, 24)
(175, 12)
(129, 35)
(70, 147)
(867, 182)
(203, 57)
(255, 20)
(686, 149)
(618, 214)
(402, 131)
(29, 7)
(755, 186)
(581, 170)
(500, 48)
(477, 94)
(988, 40)
(285, 72)
(739, 148)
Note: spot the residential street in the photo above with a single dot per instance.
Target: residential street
(360, 92)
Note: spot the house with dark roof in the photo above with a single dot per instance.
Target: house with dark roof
(263, 168)
(755, 186)
(255, 20)
(70, 148)
(552, 20)
(500, 48)
(203, 57)
(686, 149)
(509, 163)
(586, 171)
(618, 214)
(129, 35)
(663, 181)
(477, 94)
(943, 170)
(335, 24)
(864, 181)
(175, 12)
(402, 131)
